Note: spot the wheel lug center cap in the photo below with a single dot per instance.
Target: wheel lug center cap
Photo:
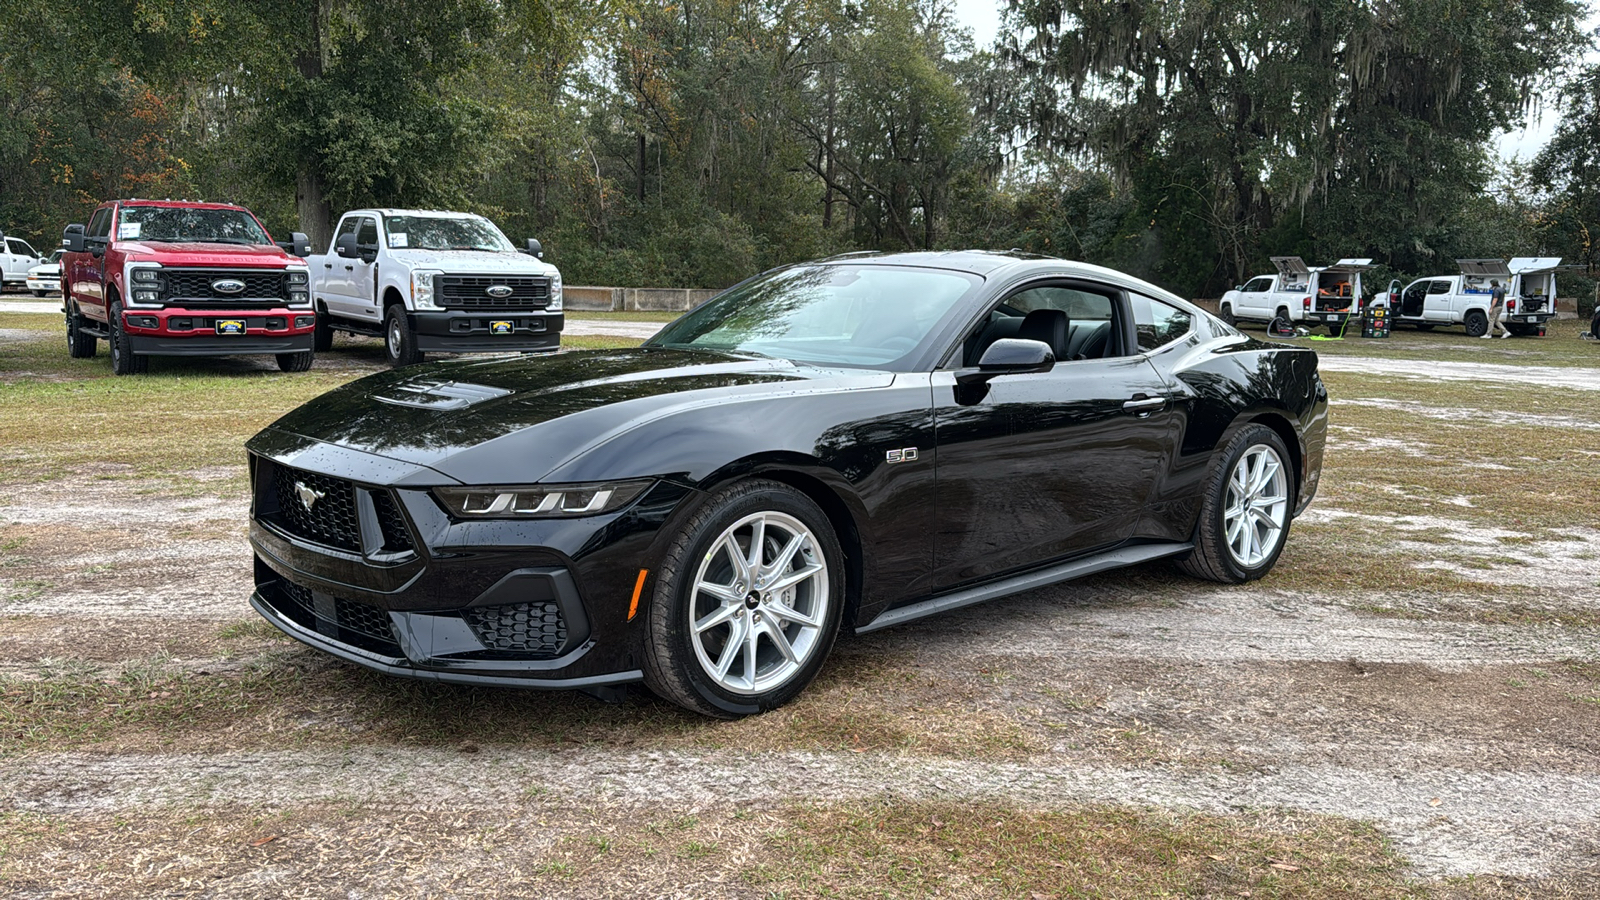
(752, 600)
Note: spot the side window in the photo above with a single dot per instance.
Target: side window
(1087, 332)
(347, 226)
(1158, 324)
(16, 246)
(100, 225)
(1258, 286)
(1439, 287)
(368, 233)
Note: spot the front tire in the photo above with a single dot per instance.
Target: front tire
(295, 362)
(1594, 325)
(1226, 314)
(322, 338)
(1476, 322)
(80, 343)
(1245, 514)
(747, 602)
(399, 341)
(123, 360)
(39, 293)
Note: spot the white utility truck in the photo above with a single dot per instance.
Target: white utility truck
(1320, 295)
(1465, 299)
(428, 281)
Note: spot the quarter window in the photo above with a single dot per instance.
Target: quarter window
(1157, 323)
(1438, 287)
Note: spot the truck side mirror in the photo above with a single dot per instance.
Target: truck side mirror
(298, 245)
(345, 246)
(72, 239)
(534, 249)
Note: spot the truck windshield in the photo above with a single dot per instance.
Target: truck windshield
(444, 233)
(174, 225)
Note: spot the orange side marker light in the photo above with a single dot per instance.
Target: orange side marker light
(638, 588)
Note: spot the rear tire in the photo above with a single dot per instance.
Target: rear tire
(1246, 511)
(80, 344)
(296, 362)
(399, 341)
(123, 360)
(1477, 324)
(723, 641)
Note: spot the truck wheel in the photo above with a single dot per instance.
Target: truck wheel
(747, 602)
(1280, 326)
(1226, 314)
(295, 362)
(80, 344)
(123, 361)
(40, 293)
(322, 338)
(1245, 515)
(1477, 323)
(399, 341)
(1594, 326)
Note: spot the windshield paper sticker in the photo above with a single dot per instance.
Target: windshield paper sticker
(128, 231)
(399, 240)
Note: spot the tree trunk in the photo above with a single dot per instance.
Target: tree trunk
(316, 216)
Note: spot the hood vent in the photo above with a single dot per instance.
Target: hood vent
(439, 395)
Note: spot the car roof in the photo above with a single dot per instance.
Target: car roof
(1001, 265)
(385, 211)
(176, 204)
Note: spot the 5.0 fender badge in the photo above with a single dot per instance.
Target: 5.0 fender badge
(898, 456)
(308, 496)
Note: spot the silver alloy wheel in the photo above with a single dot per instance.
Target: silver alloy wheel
(1257, 508)
(758, 603)
(395, 337)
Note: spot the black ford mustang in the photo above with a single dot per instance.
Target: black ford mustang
(851, 443)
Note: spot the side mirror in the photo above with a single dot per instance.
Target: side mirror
(345, 246)
(72, 239)
(534, 249)
(1010, 356)
(1238, 287)
(298, 245)
(369, 252)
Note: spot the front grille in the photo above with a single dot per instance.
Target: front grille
(471, 292)
(331, 517)
(533, 628)
(396, 537)
(193, 286)
(347, 621)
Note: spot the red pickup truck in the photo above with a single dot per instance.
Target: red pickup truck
(171, 278)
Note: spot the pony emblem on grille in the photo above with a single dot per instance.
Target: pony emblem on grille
(308, 496)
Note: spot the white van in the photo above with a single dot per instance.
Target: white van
(1324, 295)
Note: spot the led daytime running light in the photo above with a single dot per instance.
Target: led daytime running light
(540, 501)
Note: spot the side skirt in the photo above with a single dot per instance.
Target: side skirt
(1027, 581)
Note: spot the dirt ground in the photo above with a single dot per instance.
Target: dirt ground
(156, 739)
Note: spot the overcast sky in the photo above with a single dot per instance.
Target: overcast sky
(983, 17)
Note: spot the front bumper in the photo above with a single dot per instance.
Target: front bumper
(175, 331)
(49, 285)
(538, 603)
(475, 331)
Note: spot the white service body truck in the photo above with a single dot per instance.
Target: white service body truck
(1466, 299)
(1320, 295)
(428, 281)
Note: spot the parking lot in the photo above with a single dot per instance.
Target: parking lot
(1409, 705)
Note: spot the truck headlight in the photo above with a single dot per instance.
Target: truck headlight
(555, 293)
(295, 277)
(422, 289)
(546, 501)
(146, 274)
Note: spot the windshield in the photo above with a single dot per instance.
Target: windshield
(852, 315)
(173, 225)
(444, 233)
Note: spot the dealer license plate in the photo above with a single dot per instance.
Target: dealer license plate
(230, 326)
(501, 326)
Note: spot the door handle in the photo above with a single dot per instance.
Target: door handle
(327, 265)
(349, 268)
(1143, 405)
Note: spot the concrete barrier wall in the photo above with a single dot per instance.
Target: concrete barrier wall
(617, 299)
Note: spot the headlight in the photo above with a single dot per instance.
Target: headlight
(146, 274)
(297, 277)
(422, 289)
(555, 293)
(542, 501)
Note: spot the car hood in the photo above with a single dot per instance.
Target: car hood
(487, 262)
(51, 270)
(207, 254)
(473, 419)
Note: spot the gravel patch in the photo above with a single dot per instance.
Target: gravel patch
(1499, 373)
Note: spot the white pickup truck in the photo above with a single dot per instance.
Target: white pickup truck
(1465, 299)
(430, 281)
(17, 256)
(1322, 295)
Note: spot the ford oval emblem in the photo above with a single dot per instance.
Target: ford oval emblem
(227, 285)
(498, 291)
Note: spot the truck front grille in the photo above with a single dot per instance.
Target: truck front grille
(193, 287)
(472, 292)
